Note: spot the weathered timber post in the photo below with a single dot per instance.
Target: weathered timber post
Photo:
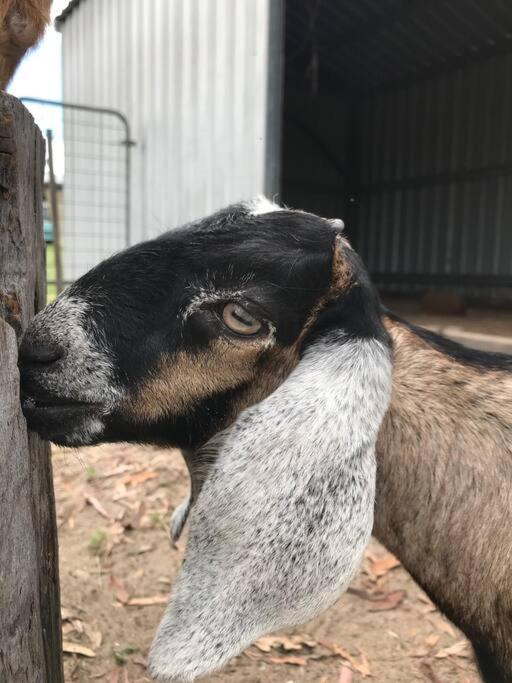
(30, 636)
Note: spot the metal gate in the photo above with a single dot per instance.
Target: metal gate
(87, 187)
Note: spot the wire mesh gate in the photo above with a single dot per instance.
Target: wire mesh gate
(87, 187)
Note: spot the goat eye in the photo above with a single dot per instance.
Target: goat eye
(239, 320)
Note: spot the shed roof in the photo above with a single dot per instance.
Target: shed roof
(61, 18)
(366, 44)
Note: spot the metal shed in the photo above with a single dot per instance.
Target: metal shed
(193, 80)
(395, 115)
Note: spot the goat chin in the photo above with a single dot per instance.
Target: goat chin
(285, 512)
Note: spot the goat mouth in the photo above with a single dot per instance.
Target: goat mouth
(62, 420)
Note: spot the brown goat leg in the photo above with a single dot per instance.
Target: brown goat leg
(444, 485)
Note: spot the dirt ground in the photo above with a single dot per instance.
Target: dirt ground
(117, 566)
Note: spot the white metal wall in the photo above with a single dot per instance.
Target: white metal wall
(192, 78)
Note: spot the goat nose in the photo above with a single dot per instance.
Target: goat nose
(39, 353)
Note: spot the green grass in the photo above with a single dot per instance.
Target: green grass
(97, 542)
(51, 290)
(121, 654)
(91, 473)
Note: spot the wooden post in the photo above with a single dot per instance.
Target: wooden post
(30, 635)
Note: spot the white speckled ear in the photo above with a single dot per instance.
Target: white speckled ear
(283, 517)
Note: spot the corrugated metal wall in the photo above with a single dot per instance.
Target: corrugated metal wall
(434, 184)
(315, 153)
(193, 79)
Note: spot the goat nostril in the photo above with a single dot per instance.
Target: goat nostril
(40, 353)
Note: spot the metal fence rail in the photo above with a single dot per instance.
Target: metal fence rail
(87, 192)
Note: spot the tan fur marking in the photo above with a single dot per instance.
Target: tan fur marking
(341, 280)
(183, 380)
(341, 276)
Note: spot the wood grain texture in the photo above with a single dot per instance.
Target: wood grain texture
(30, 637)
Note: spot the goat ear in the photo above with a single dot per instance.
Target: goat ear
(285, 512)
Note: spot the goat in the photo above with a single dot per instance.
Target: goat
(22, 24)
(172, 341)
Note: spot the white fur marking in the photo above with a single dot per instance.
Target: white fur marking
(87, 369)
(260, 205)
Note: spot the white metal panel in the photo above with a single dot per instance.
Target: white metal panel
(192, 78)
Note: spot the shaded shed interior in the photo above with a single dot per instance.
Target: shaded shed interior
(397, 118)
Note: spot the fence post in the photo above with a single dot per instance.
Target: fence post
(30, 636)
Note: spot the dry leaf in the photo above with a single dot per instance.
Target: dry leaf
(265, 644)
(78, 625)
(380, 566)
(422, 651)
(96, 637)
(443, 626)
(286, 643)
(138, 477)
(130, 519)
(119, 590)
(122, 469)
(92, 500)
(67, 627)
(66, 514)
(390, 601)
(432, 639)
(336, 650)
(116, 529)
(361, 666)
(345, 675)
(66, 613)
(77, 649)
(144, 602)
(426, 600)
(460, 649)
(372, 595)
(295, 661)
(140, 550)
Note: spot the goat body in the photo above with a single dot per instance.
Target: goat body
(444, 484)
(138, 350)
